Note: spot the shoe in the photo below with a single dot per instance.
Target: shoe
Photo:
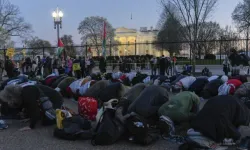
(166, 126)
(244, 144)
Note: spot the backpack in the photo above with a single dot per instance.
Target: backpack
(108, 130)
(141, 131)
(74, 128)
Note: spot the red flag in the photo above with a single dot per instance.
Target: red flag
(60, 43)
(104, 30)
(89, 50)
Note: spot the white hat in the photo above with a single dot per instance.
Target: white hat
(224, 78)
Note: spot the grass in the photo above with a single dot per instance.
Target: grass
(201, 62)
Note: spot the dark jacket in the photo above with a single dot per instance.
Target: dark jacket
(111, 91)
(54, 96)
(129, 97)
(58, 80)
(149, 101)
(211, 89)
(102, 65)
(82, 64)
(198, 86)
(220, 118)
(30, 96)
(97, 88)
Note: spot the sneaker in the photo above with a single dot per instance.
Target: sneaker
(3, 125)
(166, 126)
(244, 144)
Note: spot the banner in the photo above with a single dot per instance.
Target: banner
(10, 52)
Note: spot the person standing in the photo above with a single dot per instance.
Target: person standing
(77, 67)
(226, 66)
(102, 65)
(69, 65)
(87, 62)
(1, 69)
(39, 66)
(153, 65)
(47, 66)
(235, 59)
(162, 65)
(56, 65)
(9, 67)
(92, 65)
(82, 65)
(168, 65)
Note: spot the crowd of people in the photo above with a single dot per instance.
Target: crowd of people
(192, 111)
(42, 67)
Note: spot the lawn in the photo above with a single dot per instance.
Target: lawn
(201, 62)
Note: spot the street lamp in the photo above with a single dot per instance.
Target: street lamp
(57, 15)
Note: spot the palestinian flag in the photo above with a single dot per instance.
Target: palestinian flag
(60, 47)
(104, 40)
(89, 50)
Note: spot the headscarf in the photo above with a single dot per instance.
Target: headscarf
(229, 87)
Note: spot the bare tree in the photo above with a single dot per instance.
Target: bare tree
(38, 45)
(228, 38)
(209, 32)
(69, 45)
(11, 23)
(241, 17)
(192, 15)
(169, 34)
(91, 29)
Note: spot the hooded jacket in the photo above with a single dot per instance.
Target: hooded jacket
(95, 90)
(149, 101)
(220, 118)
(211, 89)
(180, 107)
(130, 96)
(198, 85)
(114, 90)
(55, 97)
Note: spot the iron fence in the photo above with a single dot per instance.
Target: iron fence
(182, 50)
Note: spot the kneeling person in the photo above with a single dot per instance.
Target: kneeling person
(34, 100)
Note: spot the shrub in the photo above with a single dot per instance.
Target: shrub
(210, 56)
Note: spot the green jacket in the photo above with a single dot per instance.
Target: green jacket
(179, 107)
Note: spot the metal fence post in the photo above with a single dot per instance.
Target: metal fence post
(162, 53)
(4, 53)
(64, 53)
(220, 48)
(43, 51)
(110, 47)
(247, 41)
(86, 53)
(135, 47)
(190, 53)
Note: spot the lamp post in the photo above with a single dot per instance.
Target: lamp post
(57, 15)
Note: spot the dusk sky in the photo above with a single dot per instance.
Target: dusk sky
(145, 14)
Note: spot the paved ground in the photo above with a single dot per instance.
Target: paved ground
(215, 69)
(42, 138)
